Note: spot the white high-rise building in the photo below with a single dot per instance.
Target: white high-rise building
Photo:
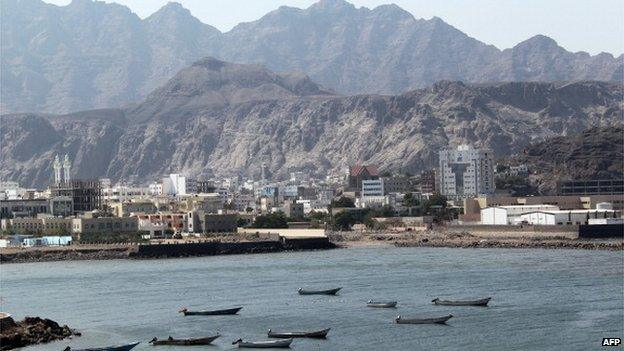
(466, 171)
(175, 184)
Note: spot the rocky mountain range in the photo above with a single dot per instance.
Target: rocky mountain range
(92, 54)
(219, 118)
(596, 153)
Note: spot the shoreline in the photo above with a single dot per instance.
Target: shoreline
(175, 249)
(467, 241)
(345, 240)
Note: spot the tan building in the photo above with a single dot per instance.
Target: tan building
(201, 222)
(40, 225)
(105, 225)
(126, 208)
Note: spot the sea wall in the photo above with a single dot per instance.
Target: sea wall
(601, 231)
(230, 248)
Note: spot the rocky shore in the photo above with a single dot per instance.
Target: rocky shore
(65, 254)
(466, 240)
(31, 331)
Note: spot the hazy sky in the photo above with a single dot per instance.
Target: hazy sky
(577, 25)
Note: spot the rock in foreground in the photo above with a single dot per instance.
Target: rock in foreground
(30, 331)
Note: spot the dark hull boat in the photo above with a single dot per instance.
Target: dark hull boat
(211, 313)
(126, 347)
(263, 344)
(434, 320)
(318, 292)
(184, 342)
(381, 304)
(481, 302)
(319, 334)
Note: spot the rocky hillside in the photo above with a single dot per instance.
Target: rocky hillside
(221, 118)
(597, 153)
(93, 54)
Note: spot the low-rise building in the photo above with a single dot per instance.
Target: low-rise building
(103, 225)
(176, 222)
(23, 207)
(201, 222)
(561, 217)
(293, 209)
(155, 230)
(38, 225)
(503, 215)
(127, 208)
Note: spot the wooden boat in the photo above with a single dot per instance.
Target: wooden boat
(434, 320)
(126, 347)
(210, 313)
(184, 342)
(319, 334)
(318, 292)
(481, 302)
(381, 304)
(263, 344)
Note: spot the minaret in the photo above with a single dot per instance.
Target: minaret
(264, 175)
(66, 168)
(57, 170)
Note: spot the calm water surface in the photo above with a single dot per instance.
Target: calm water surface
(542, 299)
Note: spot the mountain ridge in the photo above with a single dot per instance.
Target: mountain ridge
(290, 128)
(89, 54)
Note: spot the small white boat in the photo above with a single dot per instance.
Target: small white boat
(434, 320)
(263, 344)
(381, 304)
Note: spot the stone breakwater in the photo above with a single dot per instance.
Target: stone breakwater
(467, 240)
(65, 254)
(31, 331)
(520, 244)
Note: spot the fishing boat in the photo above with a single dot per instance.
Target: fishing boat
(434, 320)
(381, 304)
(184, 342)
(319, 334)
(318, 292)
(481, 302)
(125, 347)
(210, 313)
(263, 344)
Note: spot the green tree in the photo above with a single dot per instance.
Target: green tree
(342, 202)
(271, 220)
(409, 200)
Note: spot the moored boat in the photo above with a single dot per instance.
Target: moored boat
(184, 342)
(263, 344)
(318, 292)
(319, 334)
(381, 304)
(481, 302)
(433, 320)
(210, 313)
(125, 347)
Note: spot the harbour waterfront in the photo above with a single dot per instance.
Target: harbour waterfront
(542, 299)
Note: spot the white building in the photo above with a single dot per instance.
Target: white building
(372, 188)
(156, 188)
(175, 184)
(466, 171)
(504, 215)
(561, 217)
